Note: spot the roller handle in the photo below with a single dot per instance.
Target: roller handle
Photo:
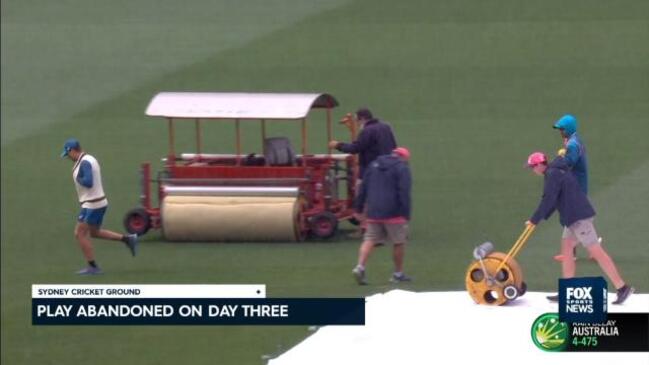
(527, 232)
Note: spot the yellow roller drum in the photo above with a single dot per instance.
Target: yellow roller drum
(230, 218)
(484, 291)
(496, 278)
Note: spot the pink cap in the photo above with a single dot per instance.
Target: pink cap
(535, 159)
(403, 152)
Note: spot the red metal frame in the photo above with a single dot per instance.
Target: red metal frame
(145, 197)
(310, 173)
(311, 179)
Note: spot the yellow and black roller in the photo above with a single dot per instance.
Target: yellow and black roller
(496, 278)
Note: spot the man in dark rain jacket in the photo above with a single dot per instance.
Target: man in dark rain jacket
(386, 192)
(562, 192)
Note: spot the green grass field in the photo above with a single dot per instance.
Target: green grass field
(470, 86)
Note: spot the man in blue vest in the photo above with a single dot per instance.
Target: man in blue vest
(86, 175)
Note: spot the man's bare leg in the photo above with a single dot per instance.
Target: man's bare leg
(606, 263)
(98, 232)
(364, 253)
(82, 234)
(568, 266)
(398, 253)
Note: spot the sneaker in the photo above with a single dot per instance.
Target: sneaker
(131, 242)
(623, 293)
(399, 278)
(359, 275)
(553, 298)
(89, 270)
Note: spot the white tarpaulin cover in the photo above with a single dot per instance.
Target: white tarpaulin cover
(448, 328)
(236, 105)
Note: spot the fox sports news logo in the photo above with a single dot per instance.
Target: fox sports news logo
(582, 300)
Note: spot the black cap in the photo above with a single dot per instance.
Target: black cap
(364, 113)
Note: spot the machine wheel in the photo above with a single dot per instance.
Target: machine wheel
(510, 292)
(137, 221)
(323, 225)
(523, 289)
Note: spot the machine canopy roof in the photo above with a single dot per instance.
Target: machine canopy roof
(206, 105)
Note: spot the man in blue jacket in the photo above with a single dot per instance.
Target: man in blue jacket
(574, 152)
(386, 191)
(376, 139)
(562, 192)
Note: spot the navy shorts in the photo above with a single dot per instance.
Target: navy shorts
(93, 217)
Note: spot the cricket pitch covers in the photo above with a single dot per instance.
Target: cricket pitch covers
(423, 328)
